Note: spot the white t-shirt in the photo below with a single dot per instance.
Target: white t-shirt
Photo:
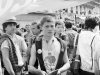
(18, 45)
(84, 49)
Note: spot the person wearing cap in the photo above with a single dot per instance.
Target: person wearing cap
(9, 28)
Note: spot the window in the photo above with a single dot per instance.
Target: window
(71, 10)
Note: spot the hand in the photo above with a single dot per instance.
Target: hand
(44, 73)
(58, 72)
(30, 68)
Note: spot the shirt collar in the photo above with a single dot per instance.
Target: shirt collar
(51, 40)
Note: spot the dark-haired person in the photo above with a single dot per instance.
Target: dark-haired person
(14, 50)
(53, 54)
(88, 45)
(70, 34)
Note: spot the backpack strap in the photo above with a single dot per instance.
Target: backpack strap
(92, 51)
(60, 61)
(39, 55)
(12, 54)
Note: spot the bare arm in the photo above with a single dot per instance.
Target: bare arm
(66, 66)
(24, 50)
(7, 63)
(29, 47)
(32, 60)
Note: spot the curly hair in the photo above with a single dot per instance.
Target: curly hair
(68, 24)
(90, 23)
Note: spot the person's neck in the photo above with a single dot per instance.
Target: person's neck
(57, 34)
(89, 29)
(11, 35)
(47, 38)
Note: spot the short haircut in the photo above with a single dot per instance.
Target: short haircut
(47, 19)
(68, 24)
(38, 25)
(90, 23)
(59, 23)
(34, 23)
(5, 24)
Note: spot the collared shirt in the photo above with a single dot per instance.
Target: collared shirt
(19, 45)
(84, 49)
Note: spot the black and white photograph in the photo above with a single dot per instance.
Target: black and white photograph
(49, 37)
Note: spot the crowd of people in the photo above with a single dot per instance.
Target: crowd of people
(50, 47)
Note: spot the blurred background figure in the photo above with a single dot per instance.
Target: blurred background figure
(60, 30)
(70, 34)
(28, 34)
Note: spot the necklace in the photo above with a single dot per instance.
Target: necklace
(50, 58)
(52, 48)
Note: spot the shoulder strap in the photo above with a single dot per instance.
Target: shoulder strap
(75, 47)
(60, 62)
(38, 44)
(92, 51)
(12, 54)
(76, 43)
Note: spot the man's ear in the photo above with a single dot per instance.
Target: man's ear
(41, 28)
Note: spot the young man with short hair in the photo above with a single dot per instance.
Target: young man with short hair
(60, 30)
(88, 45)
(53, 54)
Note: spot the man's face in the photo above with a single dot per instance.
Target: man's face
(34, 29)
(48, 28)
(59, 28)
(11, 28)
(22, 30)
(27, 27)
